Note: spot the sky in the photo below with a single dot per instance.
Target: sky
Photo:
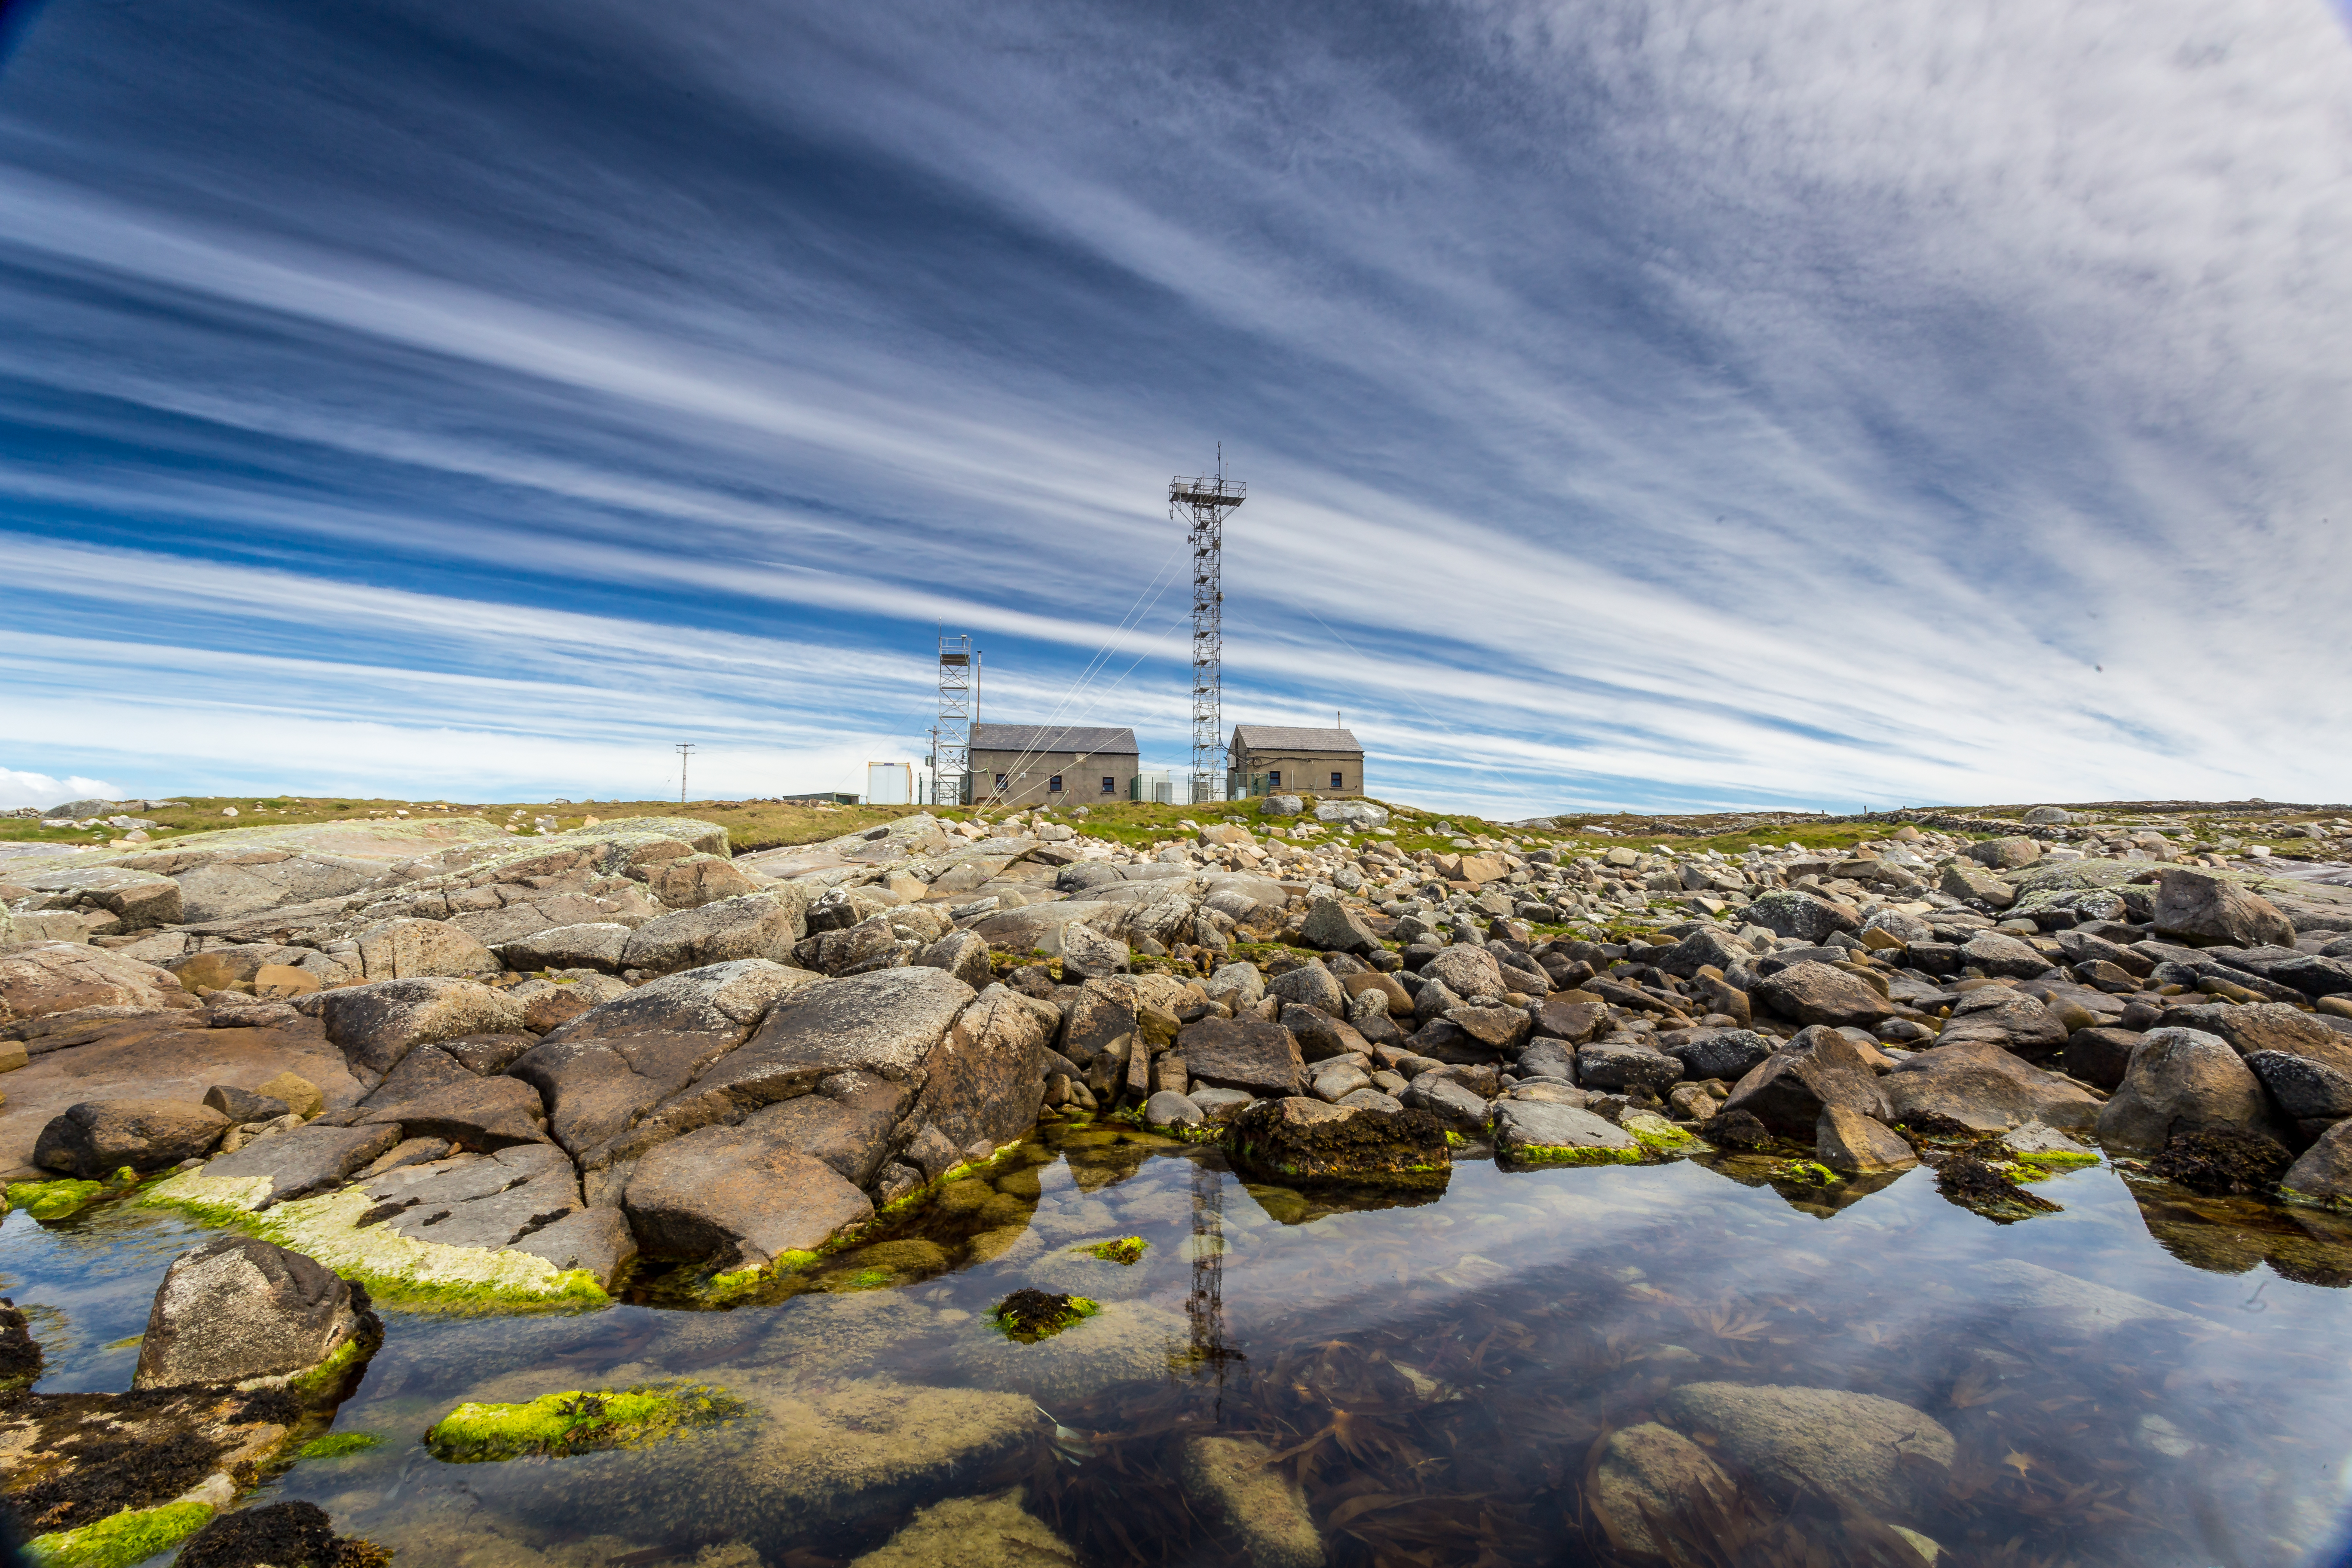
(1807, 404)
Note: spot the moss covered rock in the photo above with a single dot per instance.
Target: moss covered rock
(577, 1422)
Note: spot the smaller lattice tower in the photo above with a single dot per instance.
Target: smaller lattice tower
(951, 745)
(1200, 504)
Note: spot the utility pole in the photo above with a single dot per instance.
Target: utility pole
(685, 750)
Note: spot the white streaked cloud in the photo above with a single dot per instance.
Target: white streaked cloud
(1794, 402)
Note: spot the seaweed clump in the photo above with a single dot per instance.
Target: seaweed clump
(1029, 1315)
(283, 1534)
(110, 1474)
(1126, 1250)
(2222, 1161)
(1974, 1183)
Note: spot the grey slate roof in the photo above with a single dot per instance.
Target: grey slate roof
(1047, 738)
(1284, 737)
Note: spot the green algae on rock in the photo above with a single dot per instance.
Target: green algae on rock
(397, 1269)
(1126, 1250)
(131, 1536)
(577, 1422)
(53, 1200)
(1027, 1316)
(338, 1445)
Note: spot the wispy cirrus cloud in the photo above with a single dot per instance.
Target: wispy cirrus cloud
(1660, 403)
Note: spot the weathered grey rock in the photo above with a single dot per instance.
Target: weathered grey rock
(1806, 916)
(2267, 1026)
(728, 1195)
(1848, 1141)
(1469, 973)
(1703, 947)
(1281, 806)
(596, 945)
(62, 977)
(1168, 1109)
(489, 1201)
(757, 925)
(1651, 1469)
(1088, 954)
(982, 1085)
(1333, 927)
(2005, 854)
(1615, 1065)
(2100, 1056)
(1904, 928)
(691, 882)
(850, 1124)
(1829, 1441)
(242, 1105)
(140, 901)
(2007, 1018)
(97, 1138)
(1301, 1139)
(1728, 1054)
(1537, 1130)
(1570, 1015)
(237, 1308)
(1321, 1037)
(1238, 985)
(1999, 954)
(1986, 1087)
(476, 1114)
(1310, 986)
(1233, 1482)
(2204, 908)
(1243, 1054)
(1789, 1090)
(885, 1023)
(306, 1160)
(1548, 1059)
(603, 1071)
(1814, 993)
(2305, 1089)
(2323, 1175)
(867, 944)
(405, 949)
(2182, 1080)
(1451, 1103)
(1968, 882)
(963, 954)
(597, 1239)
(375, 1024)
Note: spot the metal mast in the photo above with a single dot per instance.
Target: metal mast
(1200, 504)
(951, 751)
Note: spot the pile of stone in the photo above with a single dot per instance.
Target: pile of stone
(556, 1053)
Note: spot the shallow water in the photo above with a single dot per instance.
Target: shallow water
(1435, 1373)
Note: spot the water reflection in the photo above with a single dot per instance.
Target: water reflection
(1876, 1373)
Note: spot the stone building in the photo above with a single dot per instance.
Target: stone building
(1276, 759)
(1051, 764)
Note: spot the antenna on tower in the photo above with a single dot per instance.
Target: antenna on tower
(951, 751)
(1200, 504)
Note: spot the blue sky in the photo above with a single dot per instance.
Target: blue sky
(1662, 404)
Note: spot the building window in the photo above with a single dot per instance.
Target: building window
(1000, 781)
(1274, 778)
(1054, 785)
(1110, 785)
(1336, 783)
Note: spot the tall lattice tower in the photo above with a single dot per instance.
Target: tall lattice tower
(1200, 504)
(951, 751)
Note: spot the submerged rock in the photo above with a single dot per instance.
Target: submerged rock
(1653, 1469)
(970, 1533)
(577, 1422)
(277, 1535)
(1120, 1342)
(1885, 1455)
(1233, 1482)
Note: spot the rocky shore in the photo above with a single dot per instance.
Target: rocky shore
(435, 1064)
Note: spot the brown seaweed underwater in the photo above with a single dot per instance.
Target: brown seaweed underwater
(2145, 1376)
